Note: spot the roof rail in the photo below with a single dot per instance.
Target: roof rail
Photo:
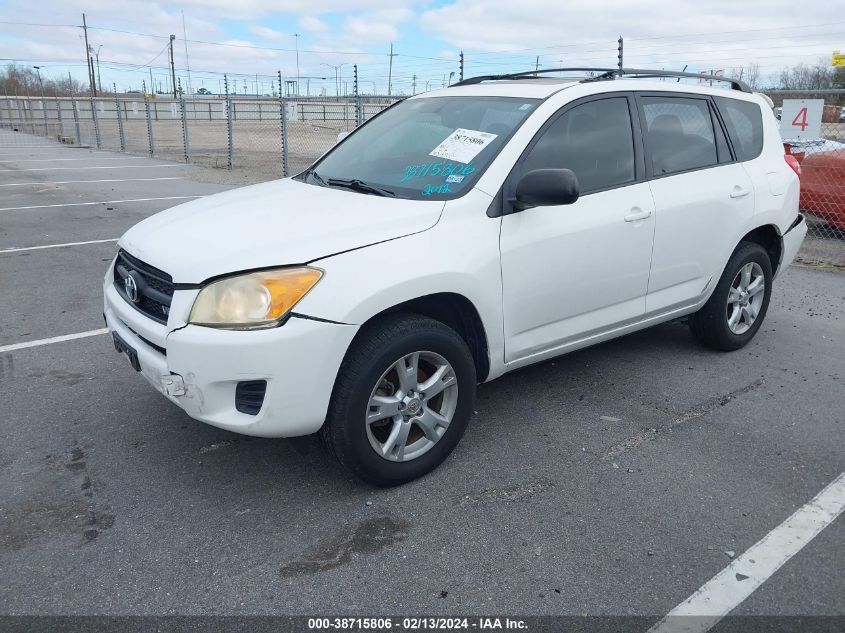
(609, 73)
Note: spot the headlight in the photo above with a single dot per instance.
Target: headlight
(253, 300)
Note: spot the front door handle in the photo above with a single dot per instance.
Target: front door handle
(739, 192)
(637, 214)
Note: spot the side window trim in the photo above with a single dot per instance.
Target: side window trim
(502, 203)
(649, 171)
(717, 119)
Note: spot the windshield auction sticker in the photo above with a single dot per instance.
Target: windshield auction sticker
(463, 145)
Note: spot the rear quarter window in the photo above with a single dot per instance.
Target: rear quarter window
(744, 121)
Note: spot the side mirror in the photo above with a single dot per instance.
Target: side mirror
(342, 135)
(546, 188)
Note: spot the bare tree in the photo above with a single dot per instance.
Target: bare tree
(23, 80)
(818, 76)
(750, 74)
(752, 77)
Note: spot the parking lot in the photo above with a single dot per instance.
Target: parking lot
(616, 480)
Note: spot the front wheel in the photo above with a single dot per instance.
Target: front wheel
(738, 305)
(402, 399)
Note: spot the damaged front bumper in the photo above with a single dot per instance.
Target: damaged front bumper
(200, 368)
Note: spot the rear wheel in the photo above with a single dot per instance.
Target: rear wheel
(402, 399)
(738, 305)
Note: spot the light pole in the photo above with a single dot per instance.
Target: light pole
(451, 74)
(296, 41)
(337, 76)
(38, 72)
(43, 105)
(99, 81)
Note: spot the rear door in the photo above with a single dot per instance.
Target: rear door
(703, 197)
(572, 271)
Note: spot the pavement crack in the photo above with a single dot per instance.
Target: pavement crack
(518, 492)
(694, 413)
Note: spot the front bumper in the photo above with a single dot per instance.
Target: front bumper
(198, 368)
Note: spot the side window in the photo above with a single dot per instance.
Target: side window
(744, 121)
(594, 140)
(679, 134)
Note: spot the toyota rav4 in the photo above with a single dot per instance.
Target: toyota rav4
(459, 235)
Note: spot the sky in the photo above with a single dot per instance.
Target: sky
(245, 38)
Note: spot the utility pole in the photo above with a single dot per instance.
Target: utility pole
(461, 73)
(172, 66)
(88, 60)
(537, 63)
(414, 89)
(296, 40)
(390, 71)
(152, 83)
(619, 52)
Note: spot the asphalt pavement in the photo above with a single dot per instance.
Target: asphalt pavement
(615, 480)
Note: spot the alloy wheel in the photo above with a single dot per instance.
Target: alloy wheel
(745, 298)
(411, 406)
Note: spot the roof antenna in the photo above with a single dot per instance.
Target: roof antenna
(683, 71)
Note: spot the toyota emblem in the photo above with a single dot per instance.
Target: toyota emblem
(131, 288)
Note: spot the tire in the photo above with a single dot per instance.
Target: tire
(712, 325)
(370, 446)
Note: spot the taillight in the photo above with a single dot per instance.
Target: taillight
(793, 162)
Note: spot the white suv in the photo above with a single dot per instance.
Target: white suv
(459, 235)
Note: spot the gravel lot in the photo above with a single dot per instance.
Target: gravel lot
(609, 481)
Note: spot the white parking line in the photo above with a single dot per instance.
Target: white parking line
(68, 182)
(727, 589)
(38, 248)
(93, 157)
(85, 204)
(50, 341)
(15, 171)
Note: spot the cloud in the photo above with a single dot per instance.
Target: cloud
(496, 35)
(579, 32)
(364, 29)
(313, 25)
(267, 33)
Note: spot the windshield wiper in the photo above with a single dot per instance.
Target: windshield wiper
(358, 185)
(313, 174)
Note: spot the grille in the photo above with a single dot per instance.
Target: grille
(154, 287)
(249, 396)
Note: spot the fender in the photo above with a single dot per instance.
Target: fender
(459, 255)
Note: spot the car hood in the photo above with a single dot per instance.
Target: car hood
(272, 224)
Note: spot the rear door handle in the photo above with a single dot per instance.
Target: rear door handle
(637, 214)
(739, 192)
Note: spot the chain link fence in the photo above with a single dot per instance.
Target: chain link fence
(270, 137)
(822, 159)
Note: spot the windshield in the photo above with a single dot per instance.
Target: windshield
(423, 149)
